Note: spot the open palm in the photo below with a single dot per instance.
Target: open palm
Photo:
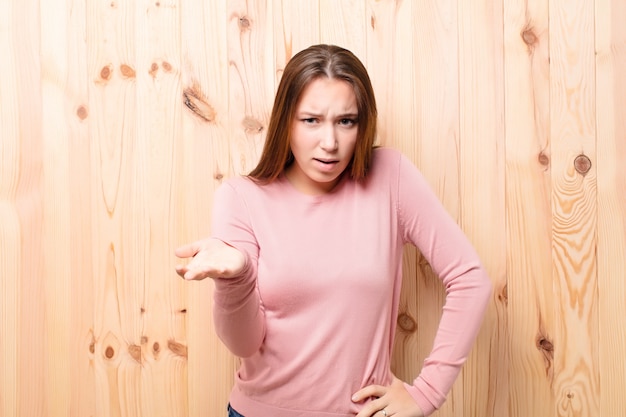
(210, 258)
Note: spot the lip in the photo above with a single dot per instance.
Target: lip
(325, 165)
(326, 161)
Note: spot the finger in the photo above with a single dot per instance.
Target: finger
(369, 391)
(187, 251)
(181, 270)
(372, 409)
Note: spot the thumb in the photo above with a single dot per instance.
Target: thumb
(187, 251)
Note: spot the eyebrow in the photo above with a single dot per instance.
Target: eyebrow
(313, 114)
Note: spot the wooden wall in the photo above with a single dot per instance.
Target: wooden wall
(118, 118)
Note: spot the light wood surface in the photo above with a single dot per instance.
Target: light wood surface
(119, 119)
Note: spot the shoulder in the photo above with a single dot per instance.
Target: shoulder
(386, 156)
(237, 187)
(238, 183)
(387, 162)
(247, 189)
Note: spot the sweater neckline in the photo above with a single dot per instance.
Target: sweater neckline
(313, 198)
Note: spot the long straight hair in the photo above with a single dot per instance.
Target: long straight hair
(315, 62)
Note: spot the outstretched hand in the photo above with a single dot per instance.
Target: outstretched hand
(211, 258)
(395, 400)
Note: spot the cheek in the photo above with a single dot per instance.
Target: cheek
(350, 143)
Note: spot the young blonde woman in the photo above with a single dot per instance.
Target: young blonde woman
(306, 256)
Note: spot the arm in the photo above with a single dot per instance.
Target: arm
(230, 257)
(427, 225)
(237, 312)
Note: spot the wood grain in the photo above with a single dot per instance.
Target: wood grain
(24, 187)
(251, 79)
(344, 24)
(115, 187)
(529, 305)
(119, 119)
(69, 377)
(610, 99)
(202, 160)
(149, 207)
(481, 190)
(10, 229)
(574, 199)
(296, 27)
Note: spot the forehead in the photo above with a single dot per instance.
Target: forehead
(328, 93)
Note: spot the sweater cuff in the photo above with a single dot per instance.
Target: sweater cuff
(418, 392)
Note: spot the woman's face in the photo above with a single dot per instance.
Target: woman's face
(323, 135)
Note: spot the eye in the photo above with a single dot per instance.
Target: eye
(347, 122)
(309, 120)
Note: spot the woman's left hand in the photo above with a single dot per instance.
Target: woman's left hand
(393, 400)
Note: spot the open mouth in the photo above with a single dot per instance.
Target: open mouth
(326, 161)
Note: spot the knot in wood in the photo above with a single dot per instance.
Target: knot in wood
(109, 352)
(194, 100)
(406, 323)
(153, 69)
(529, 37)
(244, 23)
(167, 67)
(503, 296)
(582, 164)
(545, 344)
(252, 125)
(127, 71)
(156, 347)
(135, 352)
(543, 159)
(177, 348)
(105, 73)
(82, 112)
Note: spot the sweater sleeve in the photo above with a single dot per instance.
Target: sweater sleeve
(426, 223)
(237, 310)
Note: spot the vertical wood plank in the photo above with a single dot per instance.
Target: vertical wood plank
(10, 230)
(433, 146)
(481, 154)
(528, 211)
(26, 190)
(69, 383)
(203, 160)
(574, 205)
(150, 206)
(343, 24)
(296, 27)
(81, 209)
(120, 245)
(386, 25)
(251, 79)
(417, 91)
(610, 100)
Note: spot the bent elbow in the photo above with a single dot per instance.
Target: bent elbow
(245, 348)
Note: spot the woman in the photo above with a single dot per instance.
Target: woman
(306, 255)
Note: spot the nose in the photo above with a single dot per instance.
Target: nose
(328, 141)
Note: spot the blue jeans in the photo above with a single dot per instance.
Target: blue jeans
(233, 413)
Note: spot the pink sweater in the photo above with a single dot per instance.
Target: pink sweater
(313, 316)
